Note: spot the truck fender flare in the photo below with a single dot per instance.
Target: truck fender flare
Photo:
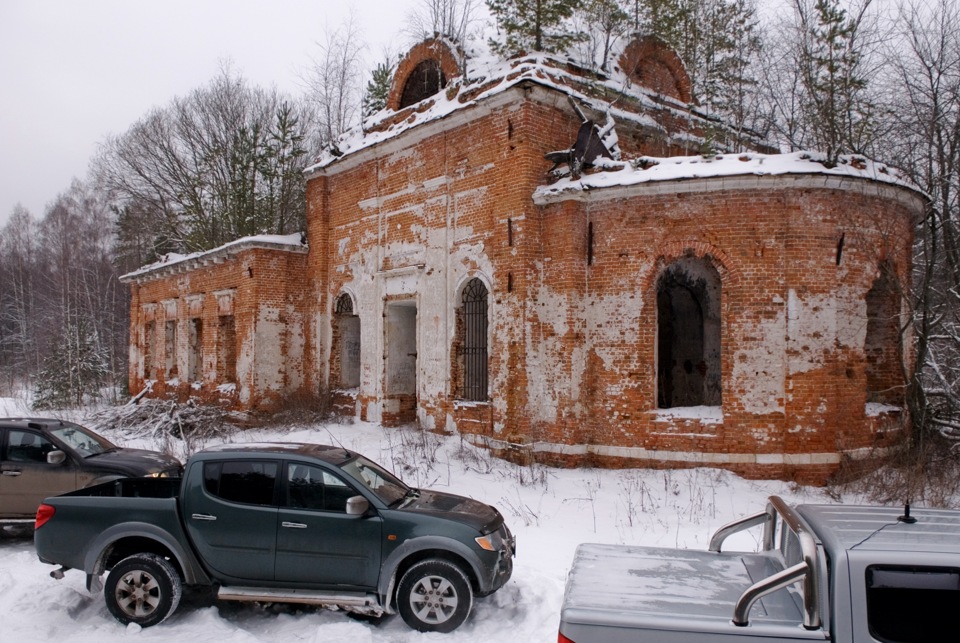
(388, 571)
(95, 560)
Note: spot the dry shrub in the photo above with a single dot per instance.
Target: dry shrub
(927, 475)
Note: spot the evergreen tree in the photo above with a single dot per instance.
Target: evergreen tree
(837, 110)
(378, 88)
(532, 25)
(604, 22)
(75, 369)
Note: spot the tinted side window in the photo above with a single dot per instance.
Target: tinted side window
(310, 487)
(249, 482)
(907, 604)
(26, 446)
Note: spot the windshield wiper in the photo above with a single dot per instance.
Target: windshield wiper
(411, 495)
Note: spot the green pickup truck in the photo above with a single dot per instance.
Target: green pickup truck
(280, 522)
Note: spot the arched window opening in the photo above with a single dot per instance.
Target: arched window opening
(424, 81)
(345, 356)
(688, 335)
(882, 347)
(471, 342)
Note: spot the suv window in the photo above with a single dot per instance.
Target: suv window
(247, 481)
(310, 487)
(27, 446)
(911, 603)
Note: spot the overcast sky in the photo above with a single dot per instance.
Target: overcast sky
(73, 71)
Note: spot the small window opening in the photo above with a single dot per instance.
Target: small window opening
(195, 365)
(170, 348)
(227, 349)
(471, 342)
(149, 334)
(590, 243)
(688, 335)
(424, 81)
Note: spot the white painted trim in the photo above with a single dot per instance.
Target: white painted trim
(687, 457)
(746, 182)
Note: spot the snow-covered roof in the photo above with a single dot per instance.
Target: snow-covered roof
(174, 262)
(489, 75)
(678, 168)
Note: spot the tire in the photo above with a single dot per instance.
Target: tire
(144, 589)
(434, 596)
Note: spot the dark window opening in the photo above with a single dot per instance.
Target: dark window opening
(688, 335)
(195, 365)
(149, 334)
(424, 81)
(471, 342)
(170, 348)
(227, 349)
(911, 604)
(345, 362)
(882, 346)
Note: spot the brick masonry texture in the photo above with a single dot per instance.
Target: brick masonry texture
(400, 228)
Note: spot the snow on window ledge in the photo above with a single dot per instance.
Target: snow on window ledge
(873, 409)
(704, 414)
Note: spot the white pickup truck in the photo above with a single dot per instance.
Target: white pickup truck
(849, 574)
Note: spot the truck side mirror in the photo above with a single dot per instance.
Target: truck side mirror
(56, 457)
(357, 506)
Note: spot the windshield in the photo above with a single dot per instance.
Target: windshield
(84, 441)
(383, 484)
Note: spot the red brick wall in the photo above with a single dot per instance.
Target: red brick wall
(572, 346)
(261, 290)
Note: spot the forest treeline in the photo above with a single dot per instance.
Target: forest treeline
(872, 77)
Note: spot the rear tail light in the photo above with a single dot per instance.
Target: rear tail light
(562, 639)
(44, 513)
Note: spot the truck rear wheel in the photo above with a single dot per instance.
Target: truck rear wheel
(143, 589)
(434, 596)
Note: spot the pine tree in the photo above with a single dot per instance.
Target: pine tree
(532, 25)
(75, 369)
(837, 110)
(378, 88)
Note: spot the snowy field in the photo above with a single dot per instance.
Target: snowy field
(550, 511)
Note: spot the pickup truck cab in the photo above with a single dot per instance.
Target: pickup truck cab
(299, 523)
(42, 457)
(849, 574)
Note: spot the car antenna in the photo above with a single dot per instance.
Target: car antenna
(906, 517)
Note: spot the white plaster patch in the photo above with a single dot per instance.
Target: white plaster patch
(758, 365)
(811, 330)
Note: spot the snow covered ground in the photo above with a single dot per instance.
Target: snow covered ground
(550, 511)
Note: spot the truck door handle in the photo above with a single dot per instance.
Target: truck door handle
(11, 473)
(293, 525)
(203, 517)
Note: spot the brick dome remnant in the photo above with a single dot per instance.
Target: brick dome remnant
(650, 63)
(423, 72)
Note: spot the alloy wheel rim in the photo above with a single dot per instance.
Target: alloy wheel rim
(433, 599)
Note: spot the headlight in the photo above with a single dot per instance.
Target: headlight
(490, 542)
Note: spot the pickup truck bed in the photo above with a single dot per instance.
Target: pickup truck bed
(650, 588)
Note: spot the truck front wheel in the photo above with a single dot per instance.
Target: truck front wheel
(143, 589)
(434, 596)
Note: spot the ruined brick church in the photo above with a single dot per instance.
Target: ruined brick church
(647, 304)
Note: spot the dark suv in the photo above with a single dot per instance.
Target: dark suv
(45, 457)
